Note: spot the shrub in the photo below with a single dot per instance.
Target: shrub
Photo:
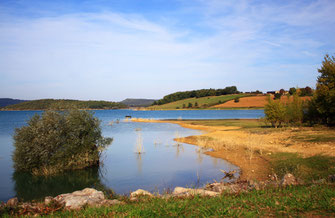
(58, 141)
(236, 100)
(294, 111)
(275, 113)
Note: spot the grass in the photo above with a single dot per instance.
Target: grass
(244, 123)
(203, 103)
(314, 137)
(306, 168)
(316, 199)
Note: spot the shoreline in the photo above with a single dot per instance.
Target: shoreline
(251, 168)
(253, 149)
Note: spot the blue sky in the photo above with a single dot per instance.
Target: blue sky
(111, 50)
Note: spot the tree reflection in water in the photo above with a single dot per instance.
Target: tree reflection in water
(29, 187)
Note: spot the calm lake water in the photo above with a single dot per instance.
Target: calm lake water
(163, 165)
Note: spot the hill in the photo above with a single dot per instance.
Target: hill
(136, 102)
(9, 101)
(61, 104)
(253, 102)
(204, 102)
(229, 90)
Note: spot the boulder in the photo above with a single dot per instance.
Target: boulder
(140, 192)
(13, 202)
(331, 178)
(87, 196)
(180, 191)
(48, 200)
(289, 179)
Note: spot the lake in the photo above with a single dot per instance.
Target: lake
(163, 165)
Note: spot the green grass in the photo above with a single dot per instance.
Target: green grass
(203, 103)
(317, 199)
(314, 137)
(308, 169)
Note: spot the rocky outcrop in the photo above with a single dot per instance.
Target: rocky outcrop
(87, 196)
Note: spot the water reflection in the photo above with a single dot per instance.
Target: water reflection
(29, 187)
(179, 148)
(139, 162)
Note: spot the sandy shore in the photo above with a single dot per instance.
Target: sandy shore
(249, 151)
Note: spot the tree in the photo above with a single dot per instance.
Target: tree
(324, 98)
(277, 96)
(294, 110)
(236, 100)
(282, 91)
(196, 104)
(58, 141)
(190, 105)
(275, 113)
(292, 91)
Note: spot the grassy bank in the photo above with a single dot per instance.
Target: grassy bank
(308, 200)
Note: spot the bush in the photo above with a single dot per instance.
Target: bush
(294, 111)
(236, 100)
(58, 141)
(275, 113)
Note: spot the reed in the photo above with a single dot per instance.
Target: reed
(139, 143)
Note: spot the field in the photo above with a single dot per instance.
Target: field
(204, 102)
(252, 102)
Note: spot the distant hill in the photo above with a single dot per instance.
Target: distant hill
(61, 104)
(137, 102)
(9, 101)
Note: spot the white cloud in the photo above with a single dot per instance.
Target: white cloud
(109, 55)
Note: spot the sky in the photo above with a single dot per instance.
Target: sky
(116, 49)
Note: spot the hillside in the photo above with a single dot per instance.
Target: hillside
(204, 102)
(9, 101)
(137, 102)
(60, 104)
(253, 102)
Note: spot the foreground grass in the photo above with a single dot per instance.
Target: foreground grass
(290, 201)
(204, 102)
(307, 169)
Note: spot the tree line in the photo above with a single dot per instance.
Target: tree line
(319, 110)
(64, 104)
(196, 94)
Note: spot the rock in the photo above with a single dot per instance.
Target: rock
(140, 192)
(48, 200)
(289, 179)
(87, 196)
(331, 178)
(253, 185)
(180, 191)
(12, 202)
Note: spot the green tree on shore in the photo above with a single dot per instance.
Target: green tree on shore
(324, 98)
